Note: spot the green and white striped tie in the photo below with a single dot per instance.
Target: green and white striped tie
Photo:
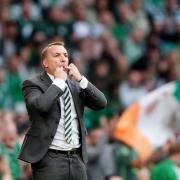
(67, 115)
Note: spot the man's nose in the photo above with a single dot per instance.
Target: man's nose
(62, 60)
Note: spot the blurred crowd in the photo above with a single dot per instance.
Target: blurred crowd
(127, 48)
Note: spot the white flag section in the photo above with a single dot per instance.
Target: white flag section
(150, 122)
(159, 116)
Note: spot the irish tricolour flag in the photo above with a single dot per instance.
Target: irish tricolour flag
(150, 122)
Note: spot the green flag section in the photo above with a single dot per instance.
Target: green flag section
(177, 91)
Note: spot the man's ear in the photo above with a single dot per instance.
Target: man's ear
(45, 64)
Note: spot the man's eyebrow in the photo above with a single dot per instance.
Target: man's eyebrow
(56, 53)
(60, 52)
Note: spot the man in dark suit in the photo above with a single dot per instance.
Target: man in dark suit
(55, 100)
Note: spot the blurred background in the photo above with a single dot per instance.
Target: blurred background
(126, 48)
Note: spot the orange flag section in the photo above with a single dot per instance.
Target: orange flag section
(127, 132)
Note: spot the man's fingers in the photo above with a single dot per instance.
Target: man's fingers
(68, 68)
(70, 73)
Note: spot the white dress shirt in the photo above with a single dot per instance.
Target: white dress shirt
(59, 142)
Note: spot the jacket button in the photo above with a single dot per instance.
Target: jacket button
(52, 136)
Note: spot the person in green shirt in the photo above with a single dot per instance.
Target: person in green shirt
(4, 95)
(125, 161)
(13, 80)
(9, 147)
(169, 168)
(4, 168)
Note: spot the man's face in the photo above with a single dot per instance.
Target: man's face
(56, 56)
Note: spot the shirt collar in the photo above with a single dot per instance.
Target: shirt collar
(51, 76)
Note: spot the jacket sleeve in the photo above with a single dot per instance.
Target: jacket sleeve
(94, 98)
(38, 100)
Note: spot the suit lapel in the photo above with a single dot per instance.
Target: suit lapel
(45, 80)
(73, 91)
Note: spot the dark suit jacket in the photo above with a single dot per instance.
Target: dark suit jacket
(43, 106)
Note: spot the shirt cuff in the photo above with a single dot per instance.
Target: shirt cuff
(59, 83)
(83, 83)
